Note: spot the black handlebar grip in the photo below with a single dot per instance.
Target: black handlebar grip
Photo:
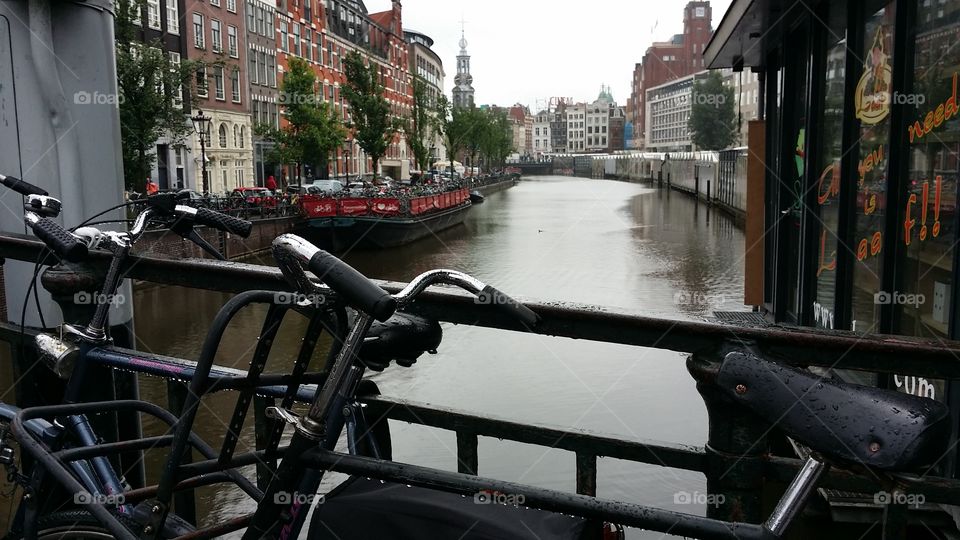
(352, 286)
(21, 187)
(64, 244)
(223, 222)
(508, 305)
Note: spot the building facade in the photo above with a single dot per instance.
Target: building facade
(215, 36)
(427, 66)
(671, 60)
(264, 103)
(598, 122)
(541, 134)
(558, 126)
(576, 128)
(159, 21)
(859, 216)
(463, 92)
(668, 115)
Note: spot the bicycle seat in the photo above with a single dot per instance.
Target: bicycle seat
(403, 337)
(844, 422)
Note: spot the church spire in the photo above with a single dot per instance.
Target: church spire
(463, 92)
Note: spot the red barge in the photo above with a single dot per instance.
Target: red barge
(381, 221)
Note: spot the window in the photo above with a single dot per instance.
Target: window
(198, 31)
(223, 135)
(236, 136)
(296, 40)
(252, 13)
(284, 45)
(252, 57)
(173, 17)
(232, 6)
(216, 38)
(272, 70)
(218, 83)
(243, 135)
(153, 14)
(260, 26)
(215, 3)
(307, 12)
(235, 85)
(264, 67)
(319, 45)
(309, 45)
(202, 82)
(175, 68)
(232, 42)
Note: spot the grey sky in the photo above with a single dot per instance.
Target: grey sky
(526, 51)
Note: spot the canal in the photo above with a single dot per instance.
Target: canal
(573, 240)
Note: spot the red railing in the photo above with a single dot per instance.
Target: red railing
(316, 206)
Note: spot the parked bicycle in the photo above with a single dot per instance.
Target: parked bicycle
(844, 425)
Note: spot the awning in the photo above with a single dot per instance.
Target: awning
(746, 32)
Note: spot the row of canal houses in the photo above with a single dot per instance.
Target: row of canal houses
(252, 42)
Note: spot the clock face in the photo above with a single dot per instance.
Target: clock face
(469, 79)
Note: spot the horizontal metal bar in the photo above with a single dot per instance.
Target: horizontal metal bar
(840, 350)
(209, 466)
(658, 453)
(105, 449)
(628, 514)
(141, 494)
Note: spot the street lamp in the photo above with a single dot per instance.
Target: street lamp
(200, 123)
(348, 146)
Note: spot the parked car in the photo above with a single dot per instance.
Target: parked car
(324, 187)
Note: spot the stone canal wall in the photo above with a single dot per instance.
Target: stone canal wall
(499, 186)
(717, 178)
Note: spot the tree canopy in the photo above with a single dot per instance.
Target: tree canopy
(152, 88)
(371, 119)
(312, 129)
(713, 120)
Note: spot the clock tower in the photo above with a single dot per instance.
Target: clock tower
(463, 82)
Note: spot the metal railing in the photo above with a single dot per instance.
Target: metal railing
(736, 460)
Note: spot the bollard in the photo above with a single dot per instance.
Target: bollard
(736, 443)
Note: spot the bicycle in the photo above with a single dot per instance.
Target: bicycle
(843, 424)
(95, 481)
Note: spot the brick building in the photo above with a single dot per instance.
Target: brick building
(214, 31)
(670, 60)
(264, 105)
(323, 34)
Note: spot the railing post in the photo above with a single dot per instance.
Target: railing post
(467, 458)
(736, 442)
(263, 428)
(586, 474)
(184, 502)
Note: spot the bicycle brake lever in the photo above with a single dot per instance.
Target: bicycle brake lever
(204, 245)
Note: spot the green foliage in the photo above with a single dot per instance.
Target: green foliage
(370, 116)
(496, 141)
(312, 130)
(713, 120)
(150, 105)
(484, 132)
(422, 125)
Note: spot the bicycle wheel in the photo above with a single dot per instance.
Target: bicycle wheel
(79, 525)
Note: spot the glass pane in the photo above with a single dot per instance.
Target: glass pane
(928, 236)
(872, 105)
(827, 209)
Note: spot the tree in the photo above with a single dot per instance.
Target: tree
(152, 89)
(423, 124)
(713, 120)
(497, 140)
(456, 126)
(312, 129)
(370, 116)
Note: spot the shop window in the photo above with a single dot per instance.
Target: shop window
(828, 170)
(872, 98)
(929, 196)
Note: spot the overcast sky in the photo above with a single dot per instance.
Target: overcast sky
(526, 51)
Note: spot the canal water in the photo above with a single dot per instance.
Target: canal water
(629, 246)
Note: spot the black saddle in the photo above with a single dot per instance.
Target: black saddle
(851, 423)
(403, 337)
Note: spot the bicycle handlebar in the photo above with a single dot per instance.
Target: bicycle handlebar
(67, 246)
(353, 286)
(223, 222)
(21, 187)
